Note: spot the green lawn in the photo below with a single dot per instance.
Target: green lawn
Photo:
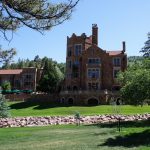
(71, 137)
(46, 109)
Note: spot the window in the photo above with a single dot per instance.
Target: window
(28, 84)
(75, 74)
(17, 83)
(76, 62)
(93, 73)
(69, 75)
(93, 85)
(69, 52)
(93, 61)
(77, 49)
(28, 76)
(115, 73)
(69, 64)
(75, 88)
(116, 61)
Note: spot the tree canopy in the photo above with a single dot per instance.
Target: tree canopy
(37, 62)
(51, 77)
(146, 49)
(136, 83)
(6, 85)
(39, 15)
(6, 55)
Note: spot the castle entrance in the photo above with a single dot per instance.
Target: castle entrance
(93, 101)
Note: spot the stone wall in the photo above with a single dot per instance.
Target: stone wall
(18, 97)
(59, 120)
(32, 97)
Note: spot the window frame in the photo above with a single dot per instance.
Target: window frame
(69, 51)
(69, 64)
(94, 61)
(115, 61)
(77, 51)
(95, 73)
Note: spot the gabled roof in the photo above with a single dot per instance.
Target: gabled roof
(113, 53)
(11, 71)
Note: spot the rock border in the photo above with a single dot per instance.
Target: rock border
(64, 120)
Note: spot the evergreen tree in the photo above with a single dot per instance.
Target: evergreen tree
(37, 61)
(146, 48)
(6, 55)
(39, 15)
(4, 109)
(51, 77)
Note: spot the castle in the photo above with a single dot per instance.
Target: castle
(91, 71)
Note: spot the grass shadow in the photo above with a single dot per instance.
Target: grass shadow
(124, 124)
(38, 105)
(129, 140)
(127, 124)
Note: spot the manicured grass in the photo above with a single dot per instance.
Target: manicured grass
(46, 109)
(71, 137)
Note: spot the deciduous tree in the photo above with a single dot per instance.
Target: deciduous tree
(6, 85)
(136, 83)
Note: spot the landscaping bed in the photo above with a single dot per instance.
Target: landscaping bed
(63, 120)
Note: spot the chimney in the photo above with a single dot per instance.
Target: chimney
(94, 34)
(124, 46)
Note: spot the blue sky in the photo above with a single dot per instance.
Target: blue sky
(118, 20)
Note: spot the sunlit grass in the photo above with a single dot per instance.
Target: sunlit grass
(46, 109)
(71, 137)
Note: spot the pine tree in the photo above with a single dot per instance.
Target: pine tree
(146, 48)
(51, 77)
(4, 109)
(39, 15)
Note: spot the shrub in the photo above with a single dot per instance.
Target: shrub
(6, 85)
(4, 109)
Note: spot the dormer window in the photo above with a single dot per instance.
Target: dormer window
(77, 49)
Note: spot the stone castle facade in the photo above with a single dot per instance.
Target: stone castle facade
(90, 70)
(21, 79)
